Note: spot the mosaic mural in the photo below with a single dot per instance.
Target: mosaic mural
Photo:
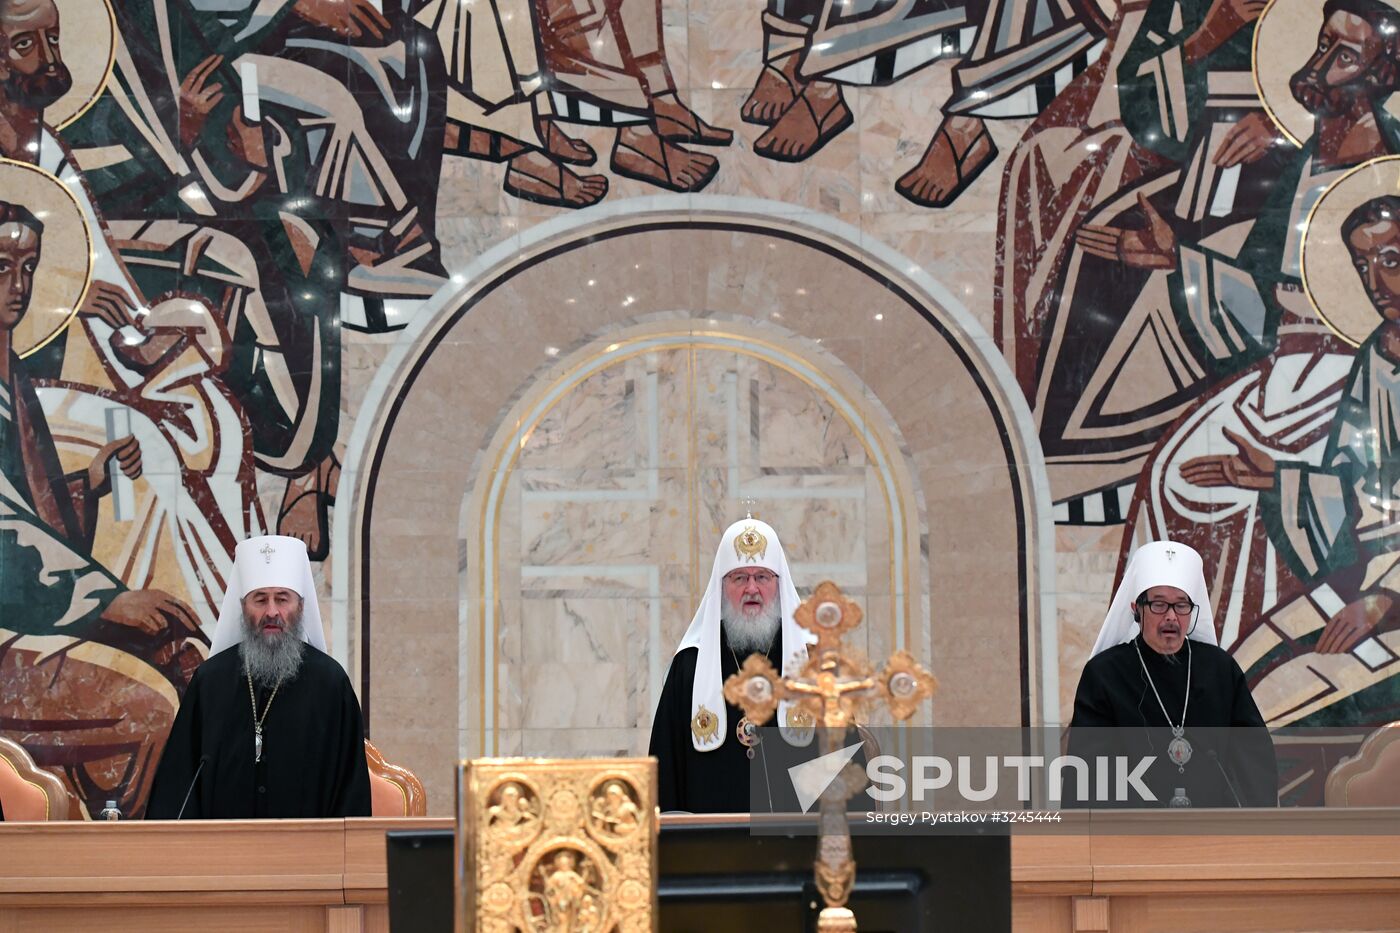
(1130, 270)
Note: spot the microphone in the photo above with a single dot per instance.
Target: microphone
(194, 780)
(1210, 753)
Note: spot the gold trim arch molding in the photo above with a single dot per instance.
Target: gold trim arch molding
(448, 631)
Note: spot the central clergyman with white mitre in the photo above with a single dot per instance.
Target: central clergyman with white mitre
(704, 747)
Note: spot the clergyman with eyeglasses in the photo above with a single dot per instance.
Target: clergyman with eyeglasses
(1158, 686)
(705, 747)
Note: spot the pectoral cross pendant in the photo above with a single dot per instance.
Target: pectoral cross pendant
(257, 744)
(747, 734)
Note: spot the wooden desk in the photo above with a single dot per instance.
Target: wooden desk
(329, 875)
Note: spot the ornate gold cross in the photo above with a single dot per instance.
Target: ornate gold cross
(836, 689)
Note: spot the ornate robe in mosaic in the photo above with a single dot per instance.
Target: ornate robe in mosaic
(1332, 521)
(1026, 52)
(51, 584)
(1288, 379)
(1075, 156)
(1338, 513)
(282, 268)
(494, 77)
(1018, 53)
(868, 41)
(196, 499)
(1174, 334)
(83, 696)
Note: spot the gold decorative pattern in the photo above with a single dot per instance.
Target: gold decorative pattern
(756, 685)
(906, 684)
(828, 614)
(550, 845)
(751, 545)
(705, 725)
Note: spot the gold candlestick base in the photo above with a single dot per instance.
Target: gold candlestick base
(836, 920)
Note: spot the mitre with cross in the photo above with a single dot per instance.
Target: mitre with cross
(1158, 563)
(268, 561)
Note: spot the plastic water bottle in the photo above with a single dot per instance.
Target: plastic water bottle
(110, 812)
(1179, 799)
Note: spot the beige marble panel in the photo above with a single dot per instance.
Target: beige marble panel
(725, 41)
(603, 413)
(583, 743)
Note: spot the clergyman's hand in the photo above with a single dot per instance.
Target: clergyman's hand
(1358, 619)
(1249, 140)
(198, 98)
(1150, 247)
(1247, 468)
(152, 612)
(126, 451)
(351, 19)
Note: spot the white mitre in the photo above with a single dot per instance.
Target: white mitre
(269, 560)
(747, 543)
(1158, 563)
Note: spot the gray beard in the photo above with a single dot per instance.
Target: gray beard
(747, 635)
(270, 661)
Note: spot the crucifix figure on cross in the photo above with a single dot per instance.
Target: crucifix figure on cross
(836, 689)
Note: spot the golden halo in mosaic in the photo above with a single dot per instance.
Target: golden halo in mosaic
(89, 48)
(1285, 37)
(65, 255)
(1329, 278)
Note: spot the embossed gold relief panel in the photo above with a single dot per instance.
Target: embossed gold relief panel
(556, 845)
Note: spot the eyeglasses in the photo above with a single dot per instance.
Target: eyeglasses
(1159, 607)
(760, 577)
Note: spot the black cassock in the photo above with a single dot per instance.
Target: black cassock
(313, 756)
(1116, 713)
(716, 781)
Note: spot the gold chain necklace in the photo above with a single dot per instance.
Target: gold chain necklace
(259, 720)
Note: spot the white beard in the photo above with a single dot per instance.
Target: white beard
(272, 661)
(749, 633)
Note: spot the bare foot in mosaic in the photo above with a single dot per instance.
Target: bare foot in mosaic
(817, 115)
(774, 91)
(678, 123)
(305, 510)
(534, 176)
(960, 150)
(564, 147)
(643, 155)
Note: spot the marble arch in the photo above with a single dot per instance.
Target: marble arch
(794, 292)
